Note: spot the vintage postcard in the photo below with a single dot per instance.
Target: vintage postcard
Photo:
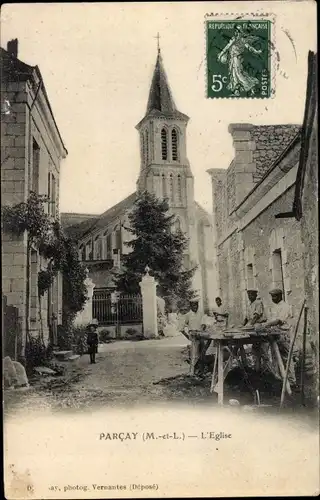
(159, 199)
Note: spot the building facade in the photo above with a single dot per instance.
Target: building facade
(254, 248)
(31, 152)
(306, 211)
(164, 171)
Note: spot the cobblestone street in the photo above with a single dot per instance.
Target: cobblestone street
(126, 373)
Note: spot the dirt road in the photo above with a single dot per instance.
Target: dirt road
(126, 373)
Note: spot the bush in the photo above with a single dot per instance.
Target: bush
(65, 337)
(37, 354)
(80, 339)
(133, 334)
(104, 335)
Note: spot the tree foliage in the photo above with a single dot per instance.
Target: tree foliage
(155, 244)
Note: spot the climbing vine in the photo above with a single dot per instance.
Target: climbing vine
(59, 252)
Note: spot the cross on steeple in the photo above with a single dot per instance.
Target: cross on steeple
(158, 42)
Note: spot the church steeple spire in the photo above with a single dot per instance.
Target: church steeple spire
(158, 42)
(160, 101)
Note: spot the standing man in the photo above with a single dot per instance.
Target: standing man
(161, 314)
(92, 340)
(280, 316)
(191, 328)
(255, 310)
(255, 316)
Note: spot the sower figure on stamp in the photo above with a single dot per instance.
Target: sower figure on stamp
(92, 340)
(232, 54)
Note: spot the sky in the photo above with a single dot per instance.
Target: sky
(97, 61)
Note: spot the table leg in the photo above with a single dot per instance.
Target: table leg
(194, 354)
(280, 364)
(243, 357)
(220, 374)
(213, 380)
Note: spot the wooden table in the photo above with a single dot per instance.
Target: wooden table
(233, 340)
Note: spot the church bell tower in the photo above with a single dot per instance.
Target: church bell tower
(164, 167)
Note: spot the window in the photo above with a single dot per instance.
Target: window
(53, 196)
(89, 251)
(147, 145)
(118, 238)
(179, 189)
(98, 248)
(109, 246)
(35, 167)
(174, 145)
(143, 148)
(177, 225)
(277, 270)
(171, 187)
(34, 286)
(82, 253)
(250, 277)
(164, 187)
(49, 192)
(164, 144)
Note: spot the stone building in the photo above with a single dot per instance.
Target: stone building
(306, 210)
(164, 171)
(31, 152)
(254, 249)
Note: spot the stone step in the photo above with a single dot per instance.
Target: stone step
(44, 370)
(73, 357)
(62, 355)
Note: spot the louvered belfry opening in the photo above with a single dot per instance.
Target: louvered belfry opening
(174, 144)
(164, 144)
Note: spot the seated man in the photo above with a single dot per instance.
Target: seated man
(280, 316)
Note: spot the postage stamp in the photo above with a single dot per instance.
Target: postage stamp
(239, 58)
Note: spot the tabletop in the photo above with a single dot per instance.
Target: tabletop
(245, 335)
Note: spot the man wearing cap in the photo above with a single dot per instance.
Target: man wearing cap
(255, 315)
(255, 309)
(92, 340)
(280, 316)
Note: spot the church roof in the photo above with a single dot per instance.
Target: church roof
(161, 102)
(91, 224)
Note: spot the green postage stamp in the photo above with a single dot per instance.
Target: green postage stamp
(239, 58)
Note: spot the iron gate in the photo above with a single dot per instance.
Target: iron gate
(121, 310)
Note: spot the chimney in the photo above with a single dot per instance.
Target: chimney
(244, 164)
(12, 48)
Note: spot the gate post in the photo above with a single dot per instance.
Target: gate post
(85, 316)
(148, 287)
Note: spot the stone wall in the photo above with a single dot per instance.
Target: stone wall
(310, 235)
(19, 130)
(258, 236)
(14, 177)
(270, 141)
